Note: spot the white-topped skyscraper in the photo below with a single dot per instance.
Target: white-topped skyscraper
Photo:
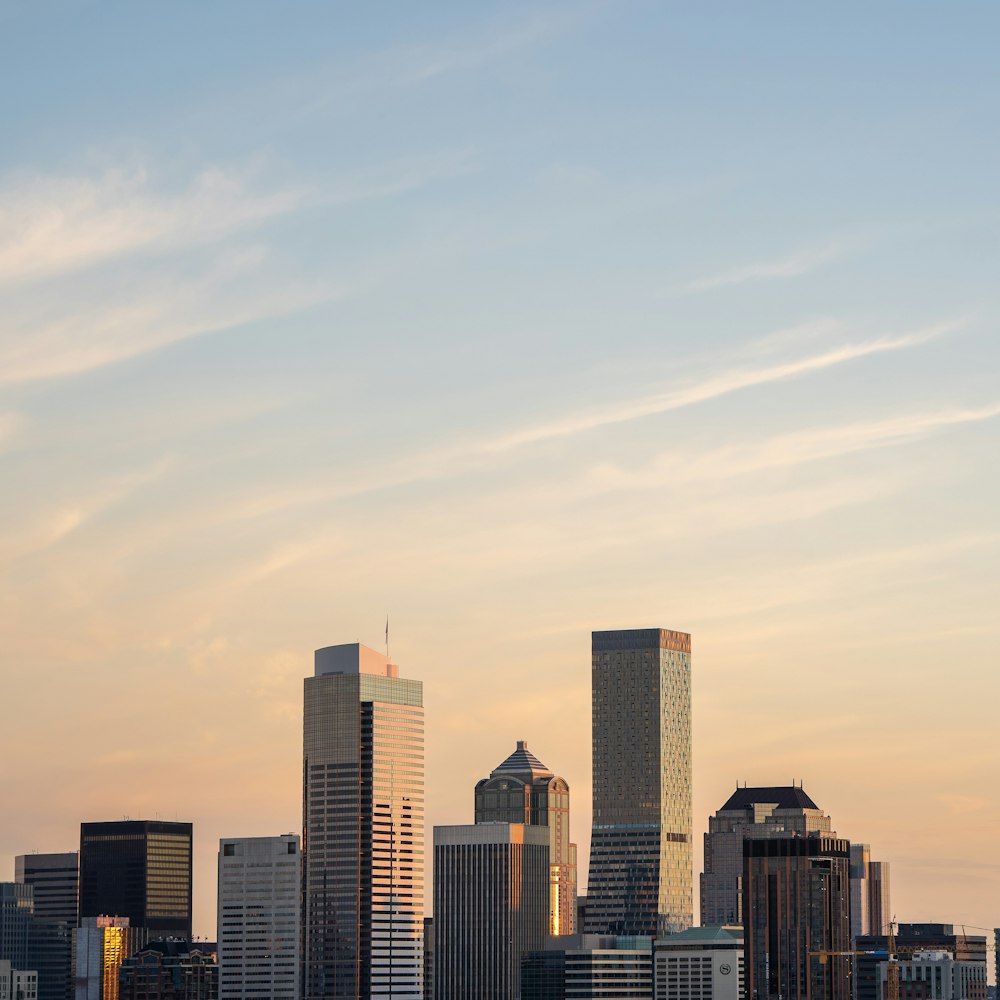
(641, 878)
(363, 828)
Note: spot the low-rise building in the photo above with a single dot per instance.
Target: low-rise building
(17, 984)
(937, 975)
(703, 963)
(589, 967)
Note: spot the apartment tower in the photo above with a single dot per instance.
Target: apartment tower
(523, 790)
(640, 855)
(363, 828)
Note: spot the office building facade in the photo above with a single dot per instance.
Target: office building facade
(17, 907)
(55, 884)
(100, 946)
(140, 869)
(702, 963)
(797, 902)
(774, 811)
(523, 790)
(641, 853)
(363, 828)
(491, 907)
(589, 967)
(258, 917)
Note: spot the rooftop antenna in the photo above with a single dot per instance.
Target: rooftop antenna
(387, 635)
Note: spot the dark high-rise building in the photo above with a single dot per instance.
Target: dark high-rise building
(640, 851)
(523, 790)
(50, 950)
(491, 907)
(140, 869)
(170, 970)
(55, 881)
(749, 812)
(16, 912)
(589, 967)
(428, 958)
(911, 939)
(796, 902)
(363, 828)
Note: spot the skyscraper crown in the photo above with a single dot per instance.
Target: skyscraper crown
(522, 762)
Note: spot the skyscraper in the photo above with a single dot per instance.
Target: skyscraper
(797, 902)
(523, 790)
(363, 828)
(140, 869)
(258, 926)
(491, 907)
(640, 854)
(749, 812)
(55, 881)
(871, 909)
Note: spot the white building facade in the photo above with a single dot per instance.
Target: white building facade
(703, 963)
(259, 931)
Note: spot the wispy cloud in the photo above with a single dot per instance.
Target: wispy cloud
(713, 387)
(801, 262)
(50, 225)
(787, 449)
(456, 459)
(233, 293)
(403, 67)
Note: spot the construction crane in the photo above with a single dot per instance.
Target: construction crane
(892, 960)
(892, 968)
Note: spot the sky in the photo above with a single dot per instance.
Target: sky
(510, 322)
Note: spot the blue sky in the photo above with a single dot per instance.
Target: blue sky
(516, 321)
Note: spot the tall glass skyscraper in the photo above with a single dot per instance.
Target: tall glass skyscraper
(640, 854)
(363, 828)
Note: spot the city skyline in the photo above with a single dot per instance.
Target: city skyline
(512, 322)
